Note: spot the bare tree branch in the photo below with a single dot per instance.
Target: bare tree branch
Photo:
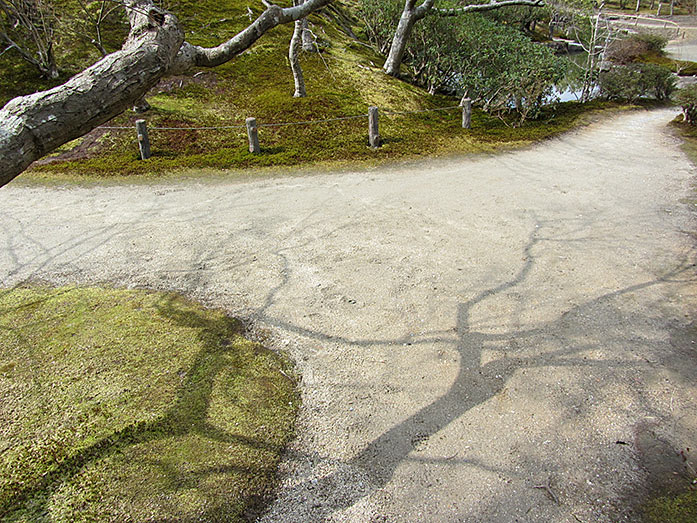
(478, 8)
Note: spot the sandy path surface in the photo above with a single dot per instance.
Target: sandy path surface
(467, 330)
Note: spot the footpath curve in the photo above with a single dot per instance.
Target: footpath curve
(467, 329)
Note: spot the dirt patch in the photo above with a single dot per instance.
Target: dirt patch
(85, 147)
(206, 79)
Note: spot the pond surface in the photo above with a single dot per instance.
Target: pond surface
(571, 86)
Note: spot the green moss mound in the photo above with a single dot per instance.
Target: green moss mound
(134, 406)
(678, 509)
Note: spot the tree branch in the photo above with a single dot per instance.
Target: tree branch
(34, 125)
(197, 56)
(477, 8)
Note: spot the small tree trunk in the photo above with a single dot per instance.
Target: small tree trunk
(293, 52)
(672, 7)
(308, 39)
(401, 36)
(50, 69)
(658, 11)
(638, 6)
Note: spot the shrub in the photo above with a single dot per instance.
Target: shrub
(621, 83)
(653, 42)
(687, 98)
(658, 80)
(631, 82)
(628, 50)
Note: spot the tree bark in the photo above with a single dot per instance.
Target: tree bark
(401, 37)
(34, 125)
(308, 38)
(293, 57)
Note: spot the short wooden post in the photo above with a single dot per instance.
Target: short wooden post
(373, 132)
(253, 135)
(143, 140)
(466, 104)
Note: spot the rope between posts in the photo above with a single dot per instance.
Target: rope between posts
(197, 128)
(387, 111)
(280, 124)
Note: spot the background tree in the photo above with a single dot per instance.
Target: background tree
(294, 56)
(28, 27)
(584, 22)
(495, 64)
(89, 25)
(411, 13)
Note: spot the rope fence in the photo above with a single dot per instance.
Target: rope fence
(252, 126)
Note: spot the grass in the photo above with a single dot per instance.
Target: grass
(123, 405)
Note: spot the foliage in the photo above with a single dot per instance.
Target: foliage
(522, 17)
(653, 42)
(134, 406)
(687, 98)
(503, 70)
(495, 64)
(631, 82)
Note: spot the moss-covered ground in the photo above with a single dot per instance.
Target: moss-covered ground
(688, 133)
(134, 406)
(672, 509)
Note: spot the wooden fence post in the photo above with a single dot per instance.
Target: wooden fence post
(143, 140)
(253, 135)
(373, 132)
(466, 104)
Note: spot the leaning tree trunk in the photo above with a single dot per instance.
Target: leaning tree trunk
(400, 38)
(293, 57)
(412, 14)
(34, 125)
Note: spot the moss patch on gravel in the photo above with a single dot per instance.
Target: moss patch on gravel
(688, 133)
(676, 509)
(122, 405)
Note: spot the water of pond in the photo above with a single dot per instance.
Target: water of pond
(571, 86)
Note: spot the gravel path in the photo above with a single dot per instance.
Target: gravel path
(504, 338)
